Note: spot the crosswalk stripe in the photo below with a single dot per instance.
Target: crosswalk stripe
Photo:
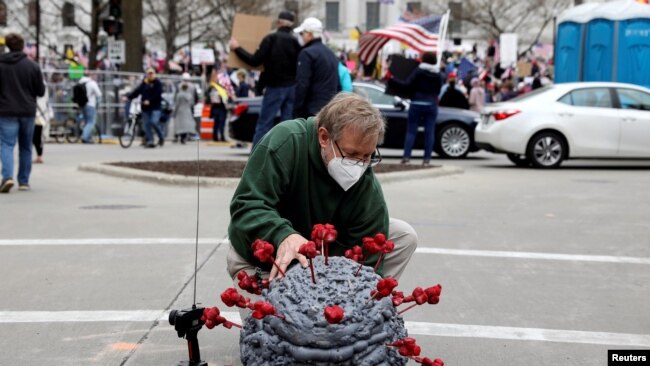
(414, 328)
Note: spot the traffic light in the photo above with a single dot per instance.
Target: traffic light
(112, 27)
(115, 9)
(113, 23)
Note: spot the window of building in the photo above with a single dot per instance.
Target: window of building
(67, 14)
(332, 16)
(3, 14)
(414, 7)
(372, 15)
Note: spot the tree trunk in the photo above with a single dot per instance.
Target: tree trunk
(132, 16)
(172, 32)
(94, 35)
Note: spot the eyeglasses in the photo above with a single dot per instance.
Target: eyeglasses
(374, 159)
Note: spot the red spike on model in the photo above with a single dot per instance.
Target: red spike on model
(324, 235)
(309, 250)
(211, 318)
(334, 314)
(263, 251)
(431, 295)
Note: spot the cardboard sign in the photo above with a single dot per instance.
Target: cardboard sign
(524, 69)
(248, 30)
(202, 56)
(508, 49)
(401, 68)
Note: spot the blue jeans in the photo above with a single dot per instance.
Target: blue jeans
(218, 115)
(152, 119)
(275, 99)
(417, 114)
(12, 129)
(90, 116)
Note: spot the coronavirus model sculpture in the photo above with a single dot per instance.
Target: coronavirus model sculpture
(337, 311)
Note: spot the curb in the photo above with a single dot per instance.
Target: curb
(170, 179)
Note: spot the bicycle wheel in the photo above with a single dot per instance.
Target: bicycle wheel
(58, 133)
(128, 134)
(72, 131)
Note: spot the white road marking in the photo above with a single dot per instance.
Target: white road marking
(528, 334)
(421, 250)
(109, 241)
(414, 328)
(533, 255)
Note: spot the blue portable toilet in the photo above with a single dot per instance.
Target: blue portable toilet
(604, 42)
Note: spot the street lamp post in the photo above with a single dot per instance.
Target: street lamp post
(38, 30)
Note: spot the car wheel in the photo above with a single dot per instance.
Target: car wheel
(519, 160)
(453, 142)
(546, 150)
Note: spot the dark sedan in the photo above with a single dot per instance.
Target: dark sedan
(454, 127)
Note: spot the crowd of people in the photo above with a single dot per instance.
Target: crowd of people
(301, 74)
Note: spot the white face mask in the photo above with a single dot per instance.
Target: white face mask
(345, 175)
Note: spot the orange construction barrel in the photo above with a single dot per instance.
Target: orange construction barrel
(207, 124)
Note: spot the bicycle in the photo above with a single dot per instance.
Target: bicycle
(132, 127)
(71, 130)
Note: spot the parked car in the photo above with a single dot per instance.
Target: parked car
(454, 127)
(567, 121)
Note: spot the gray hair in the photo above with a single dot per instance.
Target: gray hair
(349, 109)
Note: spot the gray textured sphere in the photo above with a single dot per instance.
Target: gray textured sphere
(306, 338)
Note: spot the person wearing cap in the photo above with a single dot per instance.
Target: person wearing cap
(278, 52)
(453, 97)
(150, 91)
(317, 78)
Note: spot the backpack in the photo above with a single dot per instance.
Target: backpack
(79, 95)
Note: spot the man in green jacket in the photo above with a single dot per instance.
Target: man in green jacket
(315, 171)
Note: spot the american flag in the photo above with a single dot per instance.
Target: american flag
(421, 34)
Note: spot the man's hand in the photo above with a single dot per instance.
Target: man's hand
(233, 44)
(287, 252)
(145, 102)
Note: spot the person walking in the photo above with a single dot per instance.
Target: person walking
(424, 83)
(278, 52)
(150, 91)
(184, 125)
(217, 96)
(476, 96)
(89, 108)
(21, 82)
(42, 119)
(317, 76)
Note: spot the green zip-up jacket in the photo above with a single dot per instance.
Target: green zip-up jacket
(286, 189)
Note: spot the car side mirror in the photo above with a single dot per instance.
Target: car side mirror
(399, 104)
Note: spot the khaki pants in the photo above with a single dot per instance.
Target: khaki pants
(400, 232)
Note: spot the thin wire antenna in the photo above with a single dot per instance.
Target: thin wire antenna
(198, 204)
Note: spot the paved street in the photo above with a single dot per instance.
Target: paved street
(537, 267)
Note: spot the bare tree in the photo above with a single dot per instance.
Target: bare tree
(495, 17)
(92, 33)
(211, 20)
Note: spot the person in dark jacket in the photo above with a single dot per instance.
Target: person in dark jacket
(453, 97)
(278, 52)
(21, 82)
(317, 78)
(150, 91)
(424, 83)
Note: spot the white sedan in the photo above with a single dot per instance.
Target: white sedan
(569, 121)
